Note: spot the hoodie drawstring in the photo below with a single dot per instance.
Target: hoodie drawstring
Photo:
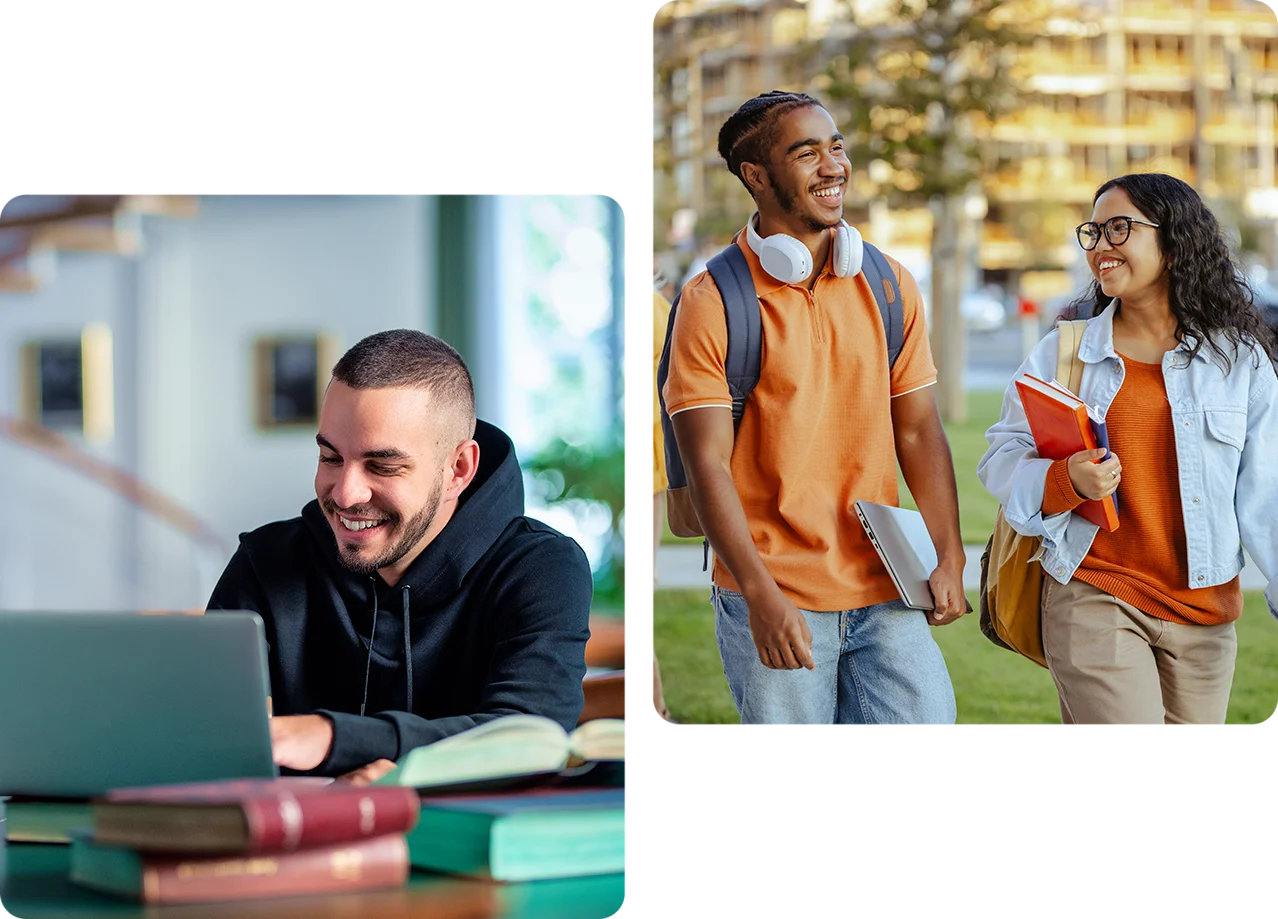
(371, 635)
(408, 652)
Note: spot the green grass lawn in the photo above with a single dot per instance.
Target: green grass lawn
(992, 686)
(977, 508)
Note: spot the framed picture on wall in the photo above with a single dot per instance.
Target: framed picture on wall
(67, 384)
(291, 372)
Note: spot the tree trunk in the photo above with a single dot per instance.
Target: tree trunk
(948, 335)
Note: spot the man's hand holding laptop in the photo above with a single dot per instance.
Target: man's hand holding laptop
(946, 581)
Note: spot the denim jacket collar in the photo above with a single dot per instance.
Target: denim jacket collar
(1098, 339)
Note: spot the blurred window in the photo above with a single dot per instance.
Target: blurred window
(559, 328)
(560, 354)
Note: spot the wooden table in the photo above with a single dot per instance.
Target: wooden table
(34, 885)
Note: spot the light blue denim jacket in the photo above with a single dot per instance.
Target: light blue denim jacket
(1226, 453)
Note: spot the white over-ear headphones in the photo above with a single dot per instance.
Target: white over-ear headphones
(789, 261)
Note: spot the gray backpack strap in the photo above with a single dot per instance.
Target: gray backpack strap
(731, 274)
(675, 473)
(887, 294)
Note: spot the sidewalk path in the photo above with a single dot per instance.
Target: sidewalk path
(679, 566)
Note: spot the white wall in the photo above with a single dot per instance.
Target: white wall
(67, 535)
(258, 266)
(184, 315)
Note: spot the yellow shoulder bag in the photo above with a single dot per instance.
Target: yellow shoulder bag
(1011, 578)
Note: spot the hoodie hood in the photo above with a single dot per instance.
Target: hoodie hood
(493, 499)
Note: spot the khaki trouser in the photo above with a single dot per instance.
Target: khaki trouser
(1114, 664)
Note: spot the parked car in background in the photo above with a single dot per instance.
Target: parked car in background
(983, 309)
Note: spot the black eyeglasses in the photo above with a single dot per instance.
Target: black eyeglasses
(1117, 229)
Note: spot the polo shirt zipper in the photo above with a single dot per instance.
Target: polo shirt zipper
(815, 315)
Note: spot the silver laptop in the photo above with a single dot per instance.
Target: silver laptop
(901, 539)
(93, 701)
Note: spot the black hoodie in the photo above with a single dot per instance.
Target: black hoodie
(492, 619)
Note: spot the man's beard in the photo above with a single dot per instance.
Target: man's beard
(414, 530)
(786, 201)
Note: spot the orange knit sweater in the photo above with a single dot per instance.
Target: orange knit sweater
(1145, 562)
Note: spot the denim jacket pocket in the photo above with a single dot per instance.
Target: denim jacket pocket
(1213, 532)
(1227, 426)
(1222, 451)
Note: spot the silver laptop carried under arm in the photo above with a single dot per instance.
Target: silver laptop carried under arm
(900, 537)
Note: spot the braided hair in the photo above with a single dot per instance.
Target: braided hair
(748, 135)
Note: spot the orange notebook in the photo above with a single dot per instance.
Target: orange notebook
(1061, 426)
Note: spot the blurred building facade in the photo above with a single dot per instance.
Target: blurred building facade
(709, 57)
(1112, 86)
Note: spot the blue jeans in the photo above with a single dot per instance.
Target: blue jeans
(874, 665)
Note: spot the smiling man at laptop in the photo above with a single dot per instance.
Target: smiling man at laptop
(412, 599)
(810, 626)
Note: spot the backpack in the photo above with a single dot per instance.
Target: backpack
(731, 274)
(1011, 581)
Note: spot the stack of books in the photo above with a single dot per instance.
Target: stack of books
(245, 839)
(519, 799)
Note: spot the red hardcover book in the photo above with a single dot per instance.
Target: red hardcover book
(1061, 427)
(251, 815)
(367, 864)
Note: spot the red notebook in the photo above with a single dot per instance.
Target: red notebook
(251, 815)
(1061, 427)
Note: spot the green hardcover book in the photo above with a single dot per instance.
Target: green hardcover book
(522, 836)
(45, 819)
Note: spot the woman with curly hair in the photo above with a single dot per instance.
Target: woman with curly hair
(1138, 622)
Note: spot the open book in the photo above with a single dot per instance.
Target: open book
(1062, 425)
(515, 745)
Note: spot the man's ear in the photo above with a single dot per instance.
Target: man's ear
(755, 177)
(465, 464)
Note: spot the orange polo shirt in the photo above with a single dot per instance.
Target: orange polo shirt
(1145, 562)
(816, 434)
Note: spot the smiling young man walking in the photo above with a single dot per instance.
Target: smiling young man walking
(810, 626)
(412, 599)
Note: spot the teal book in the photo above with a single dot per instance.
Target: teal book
(522, 836)
(590, 897)
(45, 819)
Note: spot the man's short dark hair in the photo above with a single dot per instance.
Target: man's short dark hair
(411, 359)
(748, 135)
